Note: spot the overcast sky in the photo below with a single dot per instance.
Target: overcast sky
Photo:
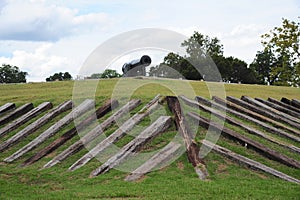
(47, 36)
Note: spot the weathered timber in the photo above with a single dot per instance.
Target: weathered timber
(164, 155)
(279, 108)
(243, 126)
(36, 125)
(100, 112)
(6, 108)
(76, 112)
(295, 103)
(288, 119)
(266, 126)
(120, 132)
(97, 131)
(242, 160)
(159, 126)
(260, 111)
(286, 101)
(253, 114)
(25, 118)
(192, 148)
(16, 113)
(245, 141)
(288, 106)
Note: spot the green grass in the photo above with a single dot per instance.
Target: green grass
(227, 180)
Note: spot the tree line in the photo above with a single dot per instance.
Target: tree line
(278, 63)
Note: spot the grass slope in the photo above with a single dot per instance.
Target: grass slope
(177, 181)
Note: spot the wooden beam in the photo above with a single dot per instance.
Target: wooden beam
(166, 154)
(100, 112)
(243, 126)
(245, 141)
(16, 113)
(244, 161)
(78, 111)
(295, 103)
(36, 125)
(281, 116)
(268, 127)
(260, 111)
(286, 101)
(191, 148)
(120, 132)
(131, 148)
(284, 105)
(25, 118)
(6, 108)
(97, 131)
(279, 108)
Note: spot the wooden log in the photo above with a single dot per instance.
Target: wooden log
(255, 115)
(243, 126)
(98, 130)
(100, 112)
(78, 111)
(164, 155)
(279, 108)
(245, 141)
(191, 148)
(242, 160)
(36, 125)
(268, 127)
(6, 108)
(25, 118)
(270, 99)
(286, 101)
(287, 118)
(16, 113)
(295, 103)
(159, 126)
(260, 111)
(120, 132)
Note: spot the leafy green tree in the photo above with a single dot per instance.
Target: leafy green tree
(95, 76)
(262, 65)
(198, 44)
(59, 77)
(284, 45)
(199, 48)
(12, 74)
(110, 73)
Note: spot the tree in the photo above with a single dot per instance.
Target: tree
(201, 51)
(59, 77)
(198, 44)
(262, 65)
(12, 74)
(110, 73)
(95, 76)
(283, 45)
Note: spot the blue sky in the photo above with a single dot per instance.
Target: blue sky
(43, 36)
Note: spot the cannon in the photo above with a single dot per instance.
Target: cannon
(136, 67)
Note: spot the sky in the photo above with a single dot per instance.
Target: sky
(43, 37)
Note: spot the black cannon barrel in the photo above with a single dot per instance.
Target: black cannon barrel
(144, 61)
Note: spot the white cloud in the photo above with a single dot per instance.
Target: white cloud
(38, 21)
(39, 64)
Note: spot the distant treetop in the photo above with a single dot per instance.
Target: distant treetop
(59, 77)
(12, 74)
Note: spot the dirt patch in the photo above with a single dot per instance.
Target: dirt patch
(180, 166)
(262, 176)
(222, 169)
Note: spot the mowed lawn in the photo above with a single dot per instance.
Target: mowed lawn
(227, 180)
